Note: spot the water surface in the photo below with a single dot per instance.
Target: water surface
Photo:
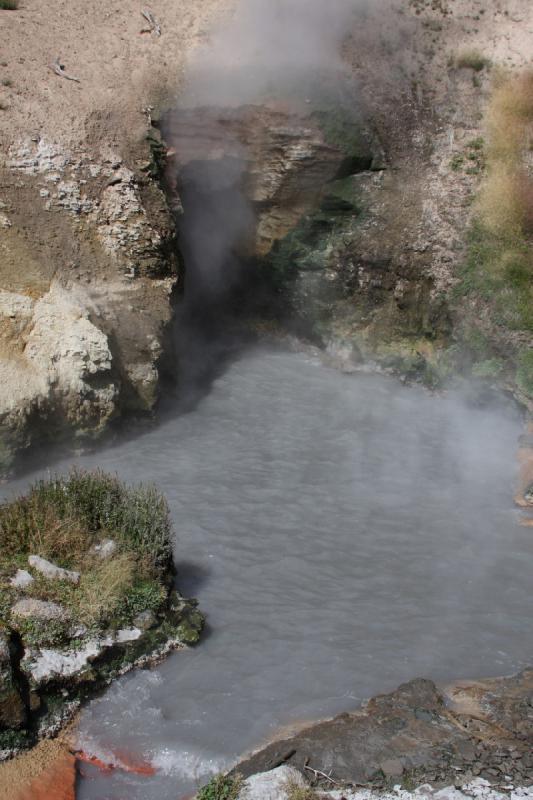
(342, 533)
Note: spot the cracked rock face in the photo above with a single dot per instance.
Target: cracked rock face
(87, 273)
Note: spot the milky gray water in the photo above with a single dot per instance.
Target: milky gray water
(342, 533)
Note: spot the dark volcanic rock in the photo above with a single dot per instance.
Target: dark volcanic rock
(417, 734)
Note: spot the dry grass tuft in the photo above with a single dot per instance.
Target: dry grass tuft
(103, 588)
(296, 792)
(501, 200)
(509, 118)
(506, 199)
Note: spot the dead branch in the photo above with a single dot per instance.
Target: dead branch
(154, 26)
(318, 772)
(59, 69)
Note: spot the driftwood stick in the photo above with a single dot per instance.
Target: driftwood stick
(59, 69)
(154, 26)
(318, 772)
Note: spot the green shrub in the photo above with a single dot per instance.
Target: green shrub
(9, 5)
(143, 595)
(61, 516)
(221, 787)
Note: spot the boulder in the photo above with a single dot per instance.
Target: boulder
(273, 785)
(145, 620)
(22, 579)
(52, 571)
(29, 608)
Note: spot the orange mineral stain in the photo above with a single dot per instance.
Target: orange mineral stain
(58, 782)
(120, 760)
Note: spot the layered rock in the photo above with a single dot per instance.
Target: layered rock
(415, 735)
(88, 260)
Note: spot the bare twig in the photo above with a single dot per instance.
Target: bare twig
(318, 772)
(154, 26)
(59, 69)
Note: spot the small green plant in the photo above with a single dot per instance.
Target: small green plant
(7, 82)
(457, 162)
(471, 59)
(9, 5)
(221, 787)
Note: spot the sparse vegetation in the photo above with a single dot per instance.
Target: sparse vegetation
(61, 519)
(8, 5)
(471, 59)
(499, 264)
(221, 787)
(297, 792)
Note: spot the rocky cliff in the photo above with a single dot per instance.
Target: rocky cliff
(88, 258)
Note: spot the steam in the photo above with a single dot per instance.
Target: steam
(267, 45)
(267, 51)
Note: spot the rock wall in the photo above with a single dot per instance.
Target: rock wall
(88, 260)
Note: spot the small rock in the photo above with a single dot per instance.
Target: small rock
(22, 579)
(145, 620)
(39, 609)
(105, 549)
(392, 768)
(466, 750)
(128, 635)
(52, 571)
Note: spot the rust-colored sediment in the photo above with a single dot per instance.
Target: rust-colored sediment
(48, 772)
(121, 760)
